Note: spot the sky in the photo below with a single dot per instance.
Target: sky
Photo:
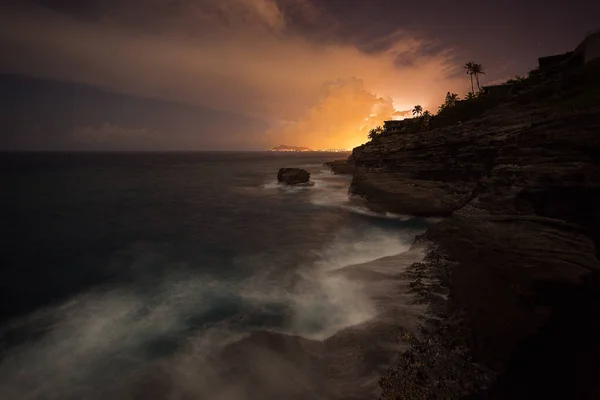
(251, 74)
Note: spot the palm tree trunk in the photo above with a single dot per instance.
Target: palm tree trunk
(477, 79)
(472, 90)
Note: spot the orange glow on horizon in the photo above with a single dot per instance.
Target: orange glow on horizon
(342, 118)
(249, 65)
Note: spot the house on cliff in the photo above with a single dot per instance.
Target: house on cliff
(395, 126)
(498, 90)
(588, 50)
(557, 61)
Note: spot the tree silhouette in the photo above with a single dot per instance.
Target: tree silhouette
(426, 117)
(373, 133)
(478, 70)
(471, 67)
(418, 110)
(451, 99)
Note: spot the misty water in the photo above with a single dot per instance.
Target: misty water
(195, 276)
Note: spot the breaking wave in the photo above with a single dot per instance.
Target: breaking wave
(314, 330)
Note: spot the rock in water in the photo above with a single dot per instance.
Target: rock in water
(342, 167)
(293, 176)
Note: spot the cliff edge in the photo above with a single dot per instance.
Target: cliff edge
(513, 272)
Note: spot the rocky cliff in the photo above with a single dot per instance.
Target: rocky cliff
(516, 259)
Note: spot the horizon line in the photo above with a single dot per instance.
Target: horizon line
(172, 151)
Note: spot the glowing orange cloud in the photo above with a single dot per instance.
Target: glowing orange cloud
(341, 118)
(314, 94)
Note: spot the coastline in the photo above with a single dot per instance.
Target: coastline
(511, 275)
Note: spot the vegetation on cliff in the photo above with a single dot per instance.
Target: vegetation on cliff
(565, 90)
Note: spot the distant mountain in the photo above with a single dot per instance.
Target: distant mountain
(283, 147)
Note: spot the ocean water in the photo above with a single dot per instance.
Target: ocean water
(195, 276)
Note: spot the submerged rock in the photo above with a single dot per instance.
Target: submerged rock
(293, 176)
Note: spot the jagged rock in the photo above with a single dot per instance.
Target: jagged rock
(293, 176)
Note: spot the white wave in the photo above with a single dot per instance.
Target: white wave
(96, 346)
(334, 193)
(95, 335)
(330, 190)
(350, 248)
(271, 185)
(323, 303)
(274, 185)
(365, 211)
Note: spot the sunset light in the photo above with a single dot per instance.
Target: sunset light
(249, 66)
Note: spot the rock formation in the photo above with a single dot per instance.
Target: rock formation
(293, 176)
(517, 255)
(342, 167)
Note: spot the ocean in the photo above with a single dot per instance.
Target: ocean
(195, 276)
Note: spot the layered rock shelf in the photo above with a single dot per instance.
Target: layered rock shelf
(516, 312)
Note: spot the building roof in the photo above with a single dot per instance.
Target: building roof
(500, 85)
(560, 61)
(555, 58)
(592, 35)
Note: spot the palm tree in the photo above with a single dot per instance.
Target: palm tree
(478, 70)
(470, 67)
(451, 99)
(373, 133)
(418, 110)
(425, 118)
